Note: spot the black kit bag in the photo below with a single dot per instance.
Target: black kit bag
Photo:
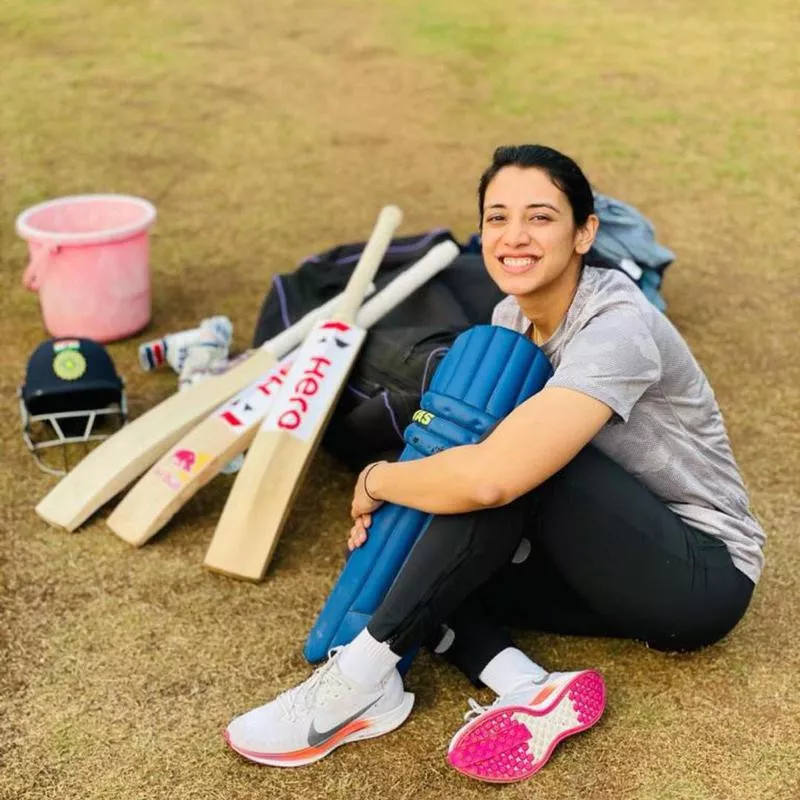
(401, 351)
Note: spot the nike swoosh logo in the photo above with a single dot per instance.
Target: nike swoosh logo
(316, 738)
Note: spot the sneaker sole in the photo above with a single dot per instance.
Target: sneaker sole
(513, 743)
(364, 728)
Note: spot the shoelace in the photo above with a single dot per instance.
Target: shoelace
(305, 693)
(476, 709)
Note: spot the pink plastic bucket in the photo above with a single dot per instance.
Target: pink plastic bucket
(89, 262)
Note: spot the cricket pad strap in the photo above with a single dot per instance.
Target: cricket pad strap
(487, 372)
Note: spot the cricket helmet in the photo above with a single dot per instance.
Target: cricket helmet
(72, 394)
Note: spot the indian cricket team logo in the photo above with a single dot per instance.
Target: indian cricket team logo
(69, 364)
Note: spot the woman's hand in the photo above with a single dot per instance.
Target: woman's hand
(364, 502)
(358, 533)
(362, 507)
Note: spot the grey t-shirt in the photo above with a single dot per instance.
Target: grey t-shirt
(666, 428)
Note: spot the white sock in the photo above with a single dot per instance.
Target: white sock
(366, 660)
(510, 668)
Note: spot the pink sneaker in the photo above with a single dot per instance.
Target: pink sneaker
(513, 738)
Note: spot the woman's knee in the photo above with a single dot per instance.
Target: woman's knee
(695, 633)
(485, 531)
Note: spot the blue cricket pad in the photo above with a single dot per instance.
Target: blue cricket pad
(487, 372)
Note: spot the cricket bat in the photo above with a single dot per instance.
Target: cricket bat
(202, 453)
(273, 471)
(125, 455)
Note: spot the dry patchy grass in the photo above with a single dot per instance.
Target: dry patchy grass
(265, 132)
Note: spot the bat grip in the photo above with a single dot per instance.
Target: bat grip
(402, 287)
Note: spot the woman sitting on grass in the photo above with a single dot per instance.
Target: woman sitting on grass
(608, 504)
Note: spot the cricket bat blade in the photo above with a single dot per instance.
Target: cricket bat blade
(273, 471)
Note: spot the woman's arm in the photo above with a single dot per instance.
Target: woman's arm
(532, 443)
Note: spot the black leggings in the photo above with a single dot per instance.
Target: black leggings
(606, 558)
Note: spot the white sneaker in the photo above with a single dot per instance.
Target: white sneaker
(304, 724)
(515, 736)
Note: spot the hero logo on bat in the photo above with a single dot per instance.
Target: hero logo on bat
(315, 379)
(307, 387)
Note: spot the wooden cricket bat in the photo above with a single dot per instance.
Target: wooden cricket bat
(201, 454)
(125, 455)
(283, 448)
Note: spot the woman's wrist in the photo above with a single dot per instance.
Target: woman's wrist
(370, 488)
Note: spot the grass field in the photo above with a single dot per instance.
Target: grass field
(264, 132)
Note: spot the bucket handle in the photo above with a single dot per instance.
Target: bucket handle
(34, 273)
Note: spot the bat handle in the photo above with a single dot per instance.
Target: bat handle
(387, 223)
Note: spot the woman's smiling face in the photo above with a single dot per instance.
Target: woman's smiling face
(529, 238)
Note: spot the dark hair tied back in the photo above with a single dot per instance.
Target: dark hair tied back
(561, 169)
